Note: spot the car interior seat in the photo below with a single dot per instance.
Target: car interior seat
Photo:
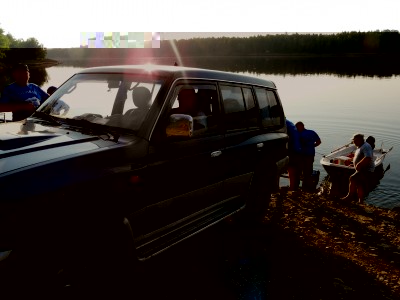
(141, 98)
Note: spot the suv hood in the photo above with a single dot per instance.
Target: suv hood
(25, 143)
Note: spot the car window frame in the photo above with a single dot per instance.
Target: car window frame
(256, 106)
(158, 136)
(279, 103)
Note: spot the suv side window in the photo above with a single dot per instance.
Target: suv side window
(200, 101)
(240, 108)
(276, 109)
(270, 109)
(234, 107)
(252, 110)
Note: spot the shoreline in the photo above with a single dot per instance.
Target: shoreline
(269, 55)
(44, 63)
(364, 236)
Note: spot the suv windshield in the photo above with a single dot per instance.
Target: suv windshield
(116, 100)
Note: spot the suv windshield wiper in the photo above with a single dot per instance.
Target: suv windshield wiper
(46, 117)
(83, 125)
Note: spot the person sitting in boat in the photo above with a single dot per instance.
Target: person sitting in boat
(371, 140)
(364, 166)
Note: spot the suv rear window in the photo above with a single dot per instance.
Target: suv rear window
(240, 108)
(270, 109)
(234, 107)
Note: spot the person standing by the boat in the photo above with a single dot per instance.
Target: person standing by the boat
(21, 97)
(309, 139)
(294, 167)
(364, 166)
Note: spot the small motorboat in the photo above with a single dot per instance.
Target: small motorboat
(339, 163)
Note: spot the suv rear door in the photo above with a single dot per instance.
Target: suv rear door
(249, 146)
(242, 137)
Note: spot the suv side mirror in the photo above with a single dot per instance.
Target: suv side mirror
(180, 125)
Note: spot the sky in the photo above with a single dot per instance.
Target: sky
(58, 24)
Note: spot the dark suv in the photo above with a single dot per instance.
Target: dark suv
(130, 160)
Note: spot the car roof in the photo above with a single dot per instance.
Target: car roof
(177, 72)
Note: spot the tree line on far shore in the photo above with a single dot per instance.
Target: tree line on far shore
(340, 43)
(359, 43)
(386, 42)
(14, 50)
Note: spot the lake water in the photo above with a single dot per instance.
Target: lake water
(333, 104)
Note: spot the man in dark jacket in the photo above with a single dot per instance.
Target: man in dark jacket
(309, 139)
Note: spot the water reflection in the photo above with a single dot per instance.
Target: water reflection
(349, 66)
(383, 66)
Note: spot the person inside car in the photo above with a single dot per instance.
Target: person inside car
(189, 104)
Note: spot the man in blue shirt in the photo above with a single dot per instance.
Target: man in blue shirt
(309, 139)
(21, 97)
(294, 167)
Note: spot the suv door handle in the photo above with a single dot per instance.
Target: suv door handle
(260, 145)
(216, 153)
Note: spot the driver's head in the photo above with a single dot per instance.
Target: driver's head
(141, 97)
(187, 100)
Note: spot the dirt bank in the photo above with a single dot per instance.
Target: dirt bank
(306, 246)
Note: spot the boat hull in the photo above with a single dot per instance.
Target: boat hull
(337, 172)
(342, 173)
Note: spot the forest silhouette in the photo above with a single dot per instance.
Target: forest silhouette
(385, 42)
(374, 53)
